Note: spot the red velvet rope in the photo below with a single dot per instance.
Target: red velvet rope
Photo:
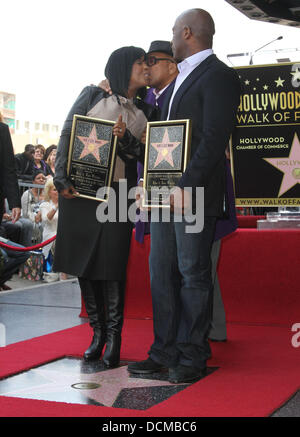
(27, 249)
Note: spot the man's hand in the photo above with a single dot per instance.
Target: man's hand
(15, 214)
(180, 200)
(6, 217)
(119, 128)
(139, 196)
(69, 193)
(105, 85)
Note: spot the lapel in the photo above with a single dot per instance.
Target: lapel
(187, 83)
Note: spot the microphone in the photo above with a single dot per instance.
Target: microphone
(252, 54)
(236, 54)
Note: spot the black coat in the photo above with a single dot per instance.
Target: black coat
(85, 247)
(212, 107)
(24, 167)
(9, 188)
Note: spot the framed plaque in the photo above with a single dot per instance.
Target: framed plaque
(92, 156)
(166, 157)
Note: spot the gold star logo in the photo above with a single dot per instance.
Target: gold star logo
(279, 82)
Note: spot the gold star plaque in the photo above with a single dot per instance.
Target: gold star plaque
(92, 155)
(166, 157)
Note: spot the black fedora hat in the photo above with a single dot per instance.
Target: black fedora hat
(161, 46)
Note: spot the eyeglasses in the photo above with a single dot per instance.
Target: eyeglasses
(152, 60)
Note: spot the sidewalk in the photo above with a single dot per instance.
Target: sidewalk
(16, 283)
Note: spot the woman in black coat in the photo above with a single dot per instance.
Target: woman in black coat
(97, 253)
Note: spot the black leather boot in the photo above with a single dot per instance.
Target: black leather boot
(92, 294)
(114, 302)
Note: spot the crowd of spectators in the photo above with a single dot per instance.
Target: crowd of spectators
(35, 168)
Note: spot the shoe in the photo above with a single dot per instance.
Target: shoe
(51, 277)
(183, 373)
(5, 287)
(94, 352)
(145, 367)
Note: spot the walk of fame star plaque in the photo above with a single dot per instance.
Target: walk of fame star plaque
(166, 157)
(92, 155)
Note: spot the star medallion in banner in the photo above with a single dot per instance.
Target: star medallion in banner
(289, 166)
(279, 82)
(91, 144)
(296, 74)
(165, 149)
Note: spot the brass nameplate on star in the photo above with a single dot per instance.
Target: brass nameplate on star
(92, 156)
(167, 153)
(265, 147)
(86, 385)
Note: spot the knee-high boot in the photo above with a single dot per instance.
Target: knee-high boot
(114, 303)
(93, 297)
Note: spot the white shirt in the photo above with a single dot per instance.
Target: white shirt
(50, 226)
(157, 94)
(185, 68)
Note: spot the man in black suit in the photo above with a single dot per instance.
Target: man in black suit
(9, 188)
(207, 92)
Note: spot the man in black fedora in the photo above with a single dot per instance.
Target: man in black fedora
(163, 70)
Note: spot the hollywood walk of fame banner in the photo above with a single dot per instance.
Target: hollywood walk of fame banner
(166, 156)
(92, 155)
(265, 147)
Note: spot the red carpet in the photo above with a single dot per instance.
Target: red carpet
(259, 371)
(258, 366)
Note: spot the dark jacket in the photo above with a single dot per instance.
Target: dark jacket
(9, 188)
(212, 107)
(85, 247)
(24, 167)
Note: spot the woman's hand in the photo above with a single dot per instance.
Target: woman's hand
(119, 128)
(69, 193)
(15, 214)
(38, 217)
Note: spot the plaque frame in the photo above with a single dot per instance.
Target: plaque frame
(107, 170)
(185, 139)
